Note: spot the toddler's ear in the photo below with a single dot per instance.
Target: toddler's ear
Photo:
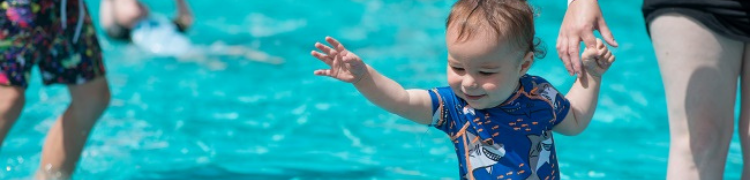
(525, 65)
(529, 56)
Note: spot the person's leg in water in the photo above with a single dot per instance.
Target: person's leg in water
(67, 137)
(699, 69)
(220, 49)
(75, 60)
(184, 18)
(744, 125)
(15, 61)
(11, 104)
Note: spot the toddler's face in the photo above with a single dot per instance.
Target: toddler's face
(482, 70)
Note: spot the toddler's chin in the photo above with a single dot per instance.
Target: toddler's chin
(477, 105)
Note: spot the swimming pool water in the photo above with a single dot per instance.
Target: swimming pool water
(230, 118)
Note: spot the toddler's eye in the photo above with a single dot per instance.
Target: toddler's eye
(486, 73)
(457, 68)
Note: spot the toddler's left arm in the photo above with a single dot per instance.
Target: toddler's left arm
(584, 94)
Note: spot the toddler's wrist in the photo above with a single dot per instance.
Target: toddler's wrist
(362, 76)
(593, 77)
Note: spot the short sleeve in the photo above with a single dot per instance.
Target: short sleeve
(560, 104)
(442, 99)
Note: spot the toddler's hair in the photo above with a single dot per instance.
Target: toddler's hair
(511, 19)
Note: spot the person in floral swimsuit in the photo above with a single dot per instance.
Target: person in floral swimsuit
(59, 37)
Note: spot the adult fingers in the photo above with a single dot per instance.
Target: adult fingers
(588, 39)
(562, 50)
(573, 55)
(607, 34)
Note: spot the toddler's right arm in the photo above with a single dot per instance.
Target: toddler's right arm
(413, 104)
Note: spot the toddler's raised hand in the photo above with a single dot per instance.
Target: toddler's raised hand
(597, 61)
(345, 66)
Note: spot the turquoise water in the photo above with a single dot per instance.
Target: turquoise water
(230, 118)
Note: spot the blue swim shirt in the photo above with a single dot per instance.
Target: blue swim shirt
(510, 141)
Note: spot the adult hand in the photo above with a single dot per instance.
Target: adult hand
(581, 19)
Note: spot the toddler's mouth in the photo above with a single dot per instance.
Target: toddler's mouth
(473, 97)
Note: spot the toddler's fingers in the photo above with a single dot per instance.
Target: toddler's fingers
(323, 48)
(602, 51)
(601, 56)
(600, 44)
(321, 57)
(335, 62)
(335, 43)
(607, 61)
(588, 58)
(322, 72)
(590, 53)
(608, 55)
(605, 57)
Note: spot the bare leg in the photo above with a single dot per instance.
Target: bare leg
(221, 49)
(11, 103)
(699, 69)
(184, 14)
(744, 127)
(68, 135)
(261, 56)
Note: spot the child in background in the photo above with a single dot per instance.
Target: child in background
(132, 21)
(499, 118)
(120, 17)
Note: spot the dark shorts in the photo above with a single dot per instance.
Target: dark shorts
(730, 18)
(33, 33)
